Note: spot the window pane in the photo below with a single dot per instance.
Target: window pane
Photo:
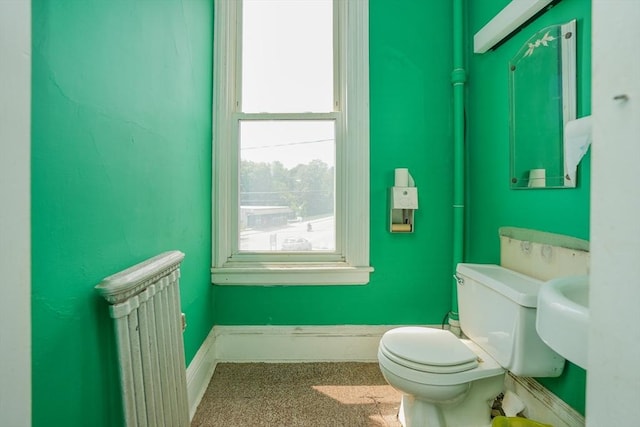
(287, 56)
(287, 180)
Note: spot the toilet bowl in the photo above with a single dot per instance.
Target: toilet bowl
(451, 382)
(444, 380)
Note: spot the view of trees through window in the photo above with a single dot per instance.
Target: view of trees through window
(286, 209)
(305, 189)
(287, 185)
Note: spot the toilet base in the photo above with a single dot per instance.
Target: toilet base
(472, 411)
(415, 412)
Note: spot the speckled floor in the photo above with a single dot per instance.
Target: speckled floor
(298, 394)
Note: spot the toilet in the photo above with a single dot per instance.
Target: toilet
(448, 381)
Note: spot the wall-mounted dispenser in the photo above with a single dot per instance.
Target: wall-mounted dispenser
(403, 201)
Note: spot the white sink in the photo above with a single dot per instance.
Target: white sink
(562, 319)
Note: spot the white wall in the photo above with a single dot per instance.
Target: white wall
(15, 229)
(613, 375)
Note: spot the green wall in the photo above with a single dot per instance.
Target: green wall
(490, 202)
(410, 67)
(120, 172)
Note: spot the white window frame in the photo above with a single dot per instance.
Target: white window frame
(349, 264)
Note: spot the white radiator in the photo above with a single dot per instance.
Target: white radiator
(148, 321)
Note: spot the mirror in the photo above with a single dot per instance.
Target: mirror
(542, 95)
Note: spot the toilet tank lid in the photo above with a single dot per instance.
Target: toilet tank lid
(518, 287)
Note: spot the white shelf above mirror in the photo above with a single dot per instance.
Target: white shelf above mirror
(509, 19)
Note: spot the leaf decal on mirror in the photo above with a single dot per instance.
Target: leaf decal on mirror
(544, 41)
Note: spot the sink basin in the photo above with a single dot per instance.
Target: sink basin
(562, 319)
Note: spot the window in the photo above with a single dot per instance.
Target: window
(291, 142)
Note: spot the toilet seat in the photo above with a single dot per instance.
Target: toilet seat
(428, 350)
(467, 362)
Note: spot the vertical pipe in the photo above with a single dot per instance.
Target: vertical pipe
(458, 78)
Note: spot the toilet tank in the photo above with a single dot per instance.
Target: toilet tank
(497, 309)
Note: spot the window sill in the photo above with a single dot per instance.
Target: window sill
(272, 274)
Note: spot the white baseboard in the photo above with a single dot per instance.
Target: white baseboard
(542, 405)
(200, 371)
(354, 343)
